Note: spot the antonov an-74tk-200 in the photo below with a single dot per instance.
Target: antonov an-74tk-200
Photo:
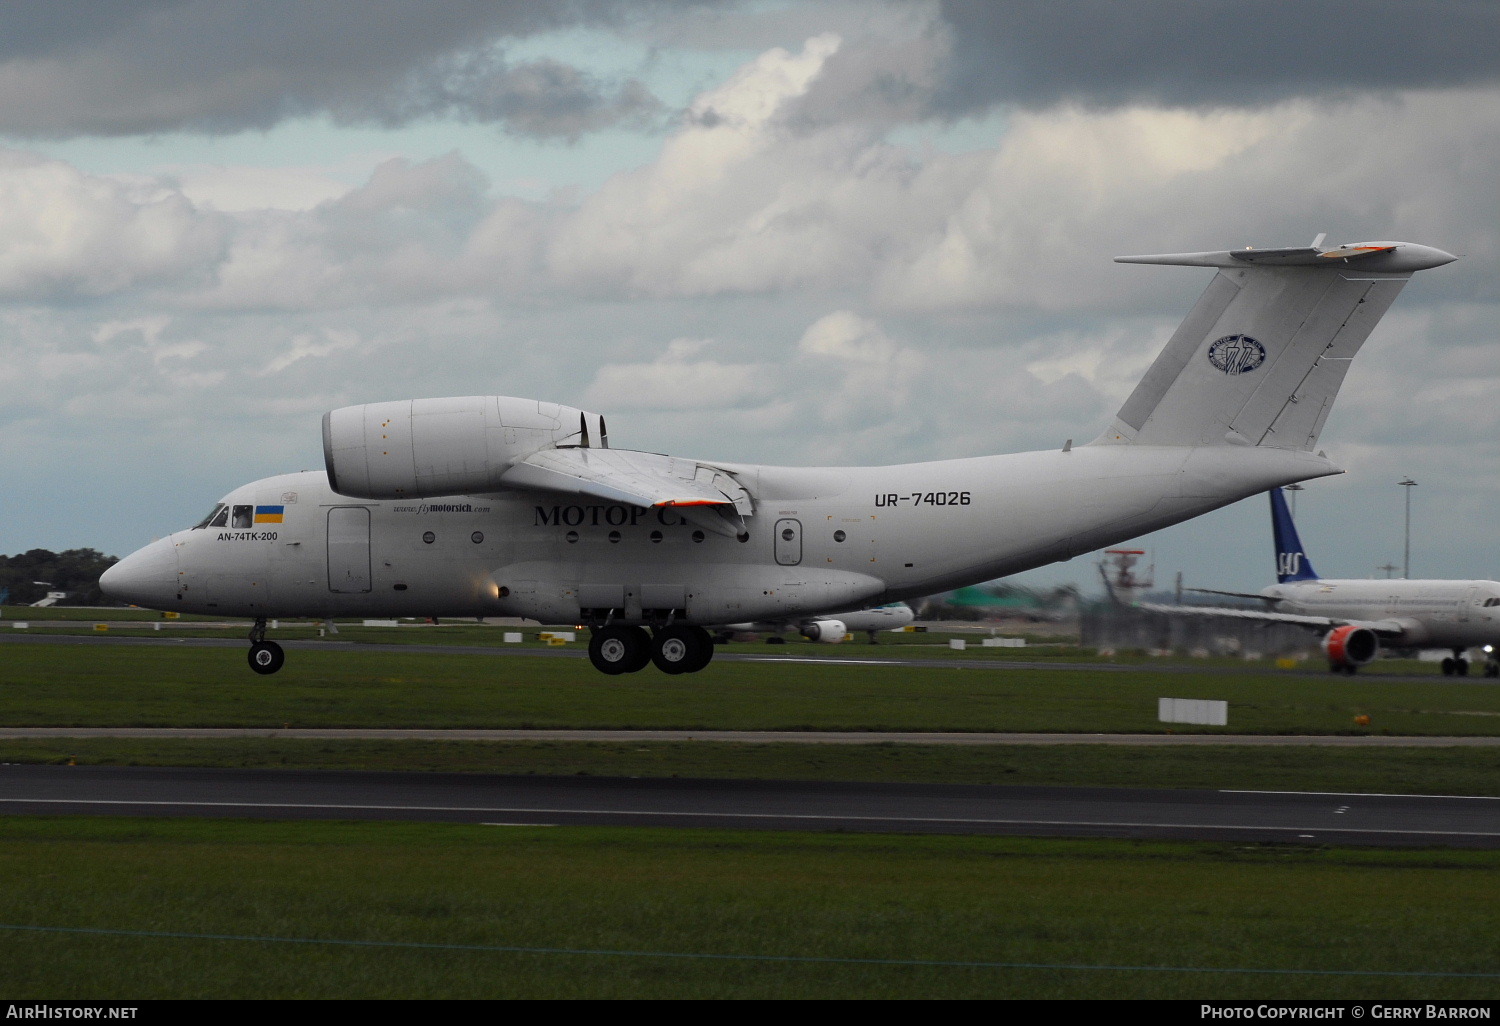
(496, 506)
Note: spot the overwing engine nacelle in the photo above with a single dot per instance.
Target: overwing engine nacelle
(420, 448)
(1350, 647)
(830, 632)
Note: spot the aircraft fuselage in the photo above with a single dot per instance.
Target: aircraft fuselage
(820, 539)
(1431, 613)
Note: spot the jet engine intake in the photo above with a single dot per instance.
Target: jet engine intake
(1349, 647)
(829, 632)
(421, 448)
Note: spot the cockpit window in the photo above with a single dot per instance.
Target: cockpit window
(242, 516)
(221, 518)
(208, 520)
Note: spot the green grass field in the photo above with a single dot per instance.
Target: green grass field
(1468, 771)
(163, 685)
(143, 909)
(132, 622)
(139, 909)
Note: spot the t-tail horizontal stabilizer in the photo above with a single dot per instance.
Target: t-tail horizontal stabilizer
(1260, 358)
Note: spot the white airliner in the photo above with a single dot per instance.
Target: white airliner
(830, 628)
(497, 506)
(1359, 616)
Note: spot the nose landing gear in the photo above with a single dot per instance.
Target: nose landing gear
(265, 656)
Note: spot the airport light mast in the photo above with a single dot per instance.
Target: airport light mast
(1408, 484)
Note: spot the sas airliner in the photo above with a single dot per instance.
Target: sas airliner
(1361, 616)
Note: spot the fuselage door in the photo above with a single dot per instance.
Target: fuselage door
(349, 549)
(1466, 607)
(788, 542)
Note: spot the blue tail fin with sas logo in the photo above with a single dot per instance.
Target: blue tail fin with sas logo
(1260, 358)
(1292, 563)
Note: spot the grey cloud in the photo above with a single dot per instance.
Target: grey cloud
(544, 98)
(230, 65)
(1038, 53)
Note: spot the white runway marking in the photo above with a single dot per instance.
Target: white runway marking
(809, 816)
(821, 662)
(1366, 794)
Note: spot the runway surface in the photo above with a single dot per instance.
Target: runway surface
(806, 655)
(782, 805)
(803, 737)
(1248, 816)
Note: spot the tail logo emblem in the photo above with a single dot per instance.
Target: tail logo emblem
(1236, 354)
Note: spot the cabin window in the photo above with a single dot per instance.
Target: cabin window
(477, 537)
(243, 516)
(429, 537)
(655, 537)
(697, 536)
(838, 536)
(208, 520)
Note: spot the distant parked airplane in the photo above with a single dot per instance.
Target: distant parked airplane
(1360, 616)
(830, 628)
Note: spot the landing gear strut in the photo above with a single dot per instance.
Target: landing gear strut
(265, 656)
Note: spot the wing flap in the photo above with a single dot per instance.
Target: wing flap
(635, 478)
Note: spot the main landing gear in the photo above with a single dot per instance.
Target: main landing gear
(674, 649)
(1455, 665)
(265, 656)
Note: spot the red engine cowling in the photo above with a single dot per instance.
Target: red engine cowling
(829, 632)
(1350, 647)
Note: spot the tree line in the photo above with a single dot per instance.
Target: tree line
(30, 575)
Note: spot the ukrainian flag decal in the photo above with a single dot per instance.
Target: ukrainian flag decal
(269, 514)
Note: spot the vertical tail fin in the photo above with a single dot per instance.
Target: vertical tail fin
(1292, 563)
(1260, 358)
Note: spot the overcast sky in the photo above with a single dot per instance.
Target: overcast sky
(813, 232)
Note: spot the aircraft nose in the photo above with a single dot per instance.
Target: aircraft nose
(146, 577)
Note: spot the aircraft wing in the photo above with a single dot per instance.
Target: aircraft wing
(639, 479)
(1385, 628)
(1233, 594)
